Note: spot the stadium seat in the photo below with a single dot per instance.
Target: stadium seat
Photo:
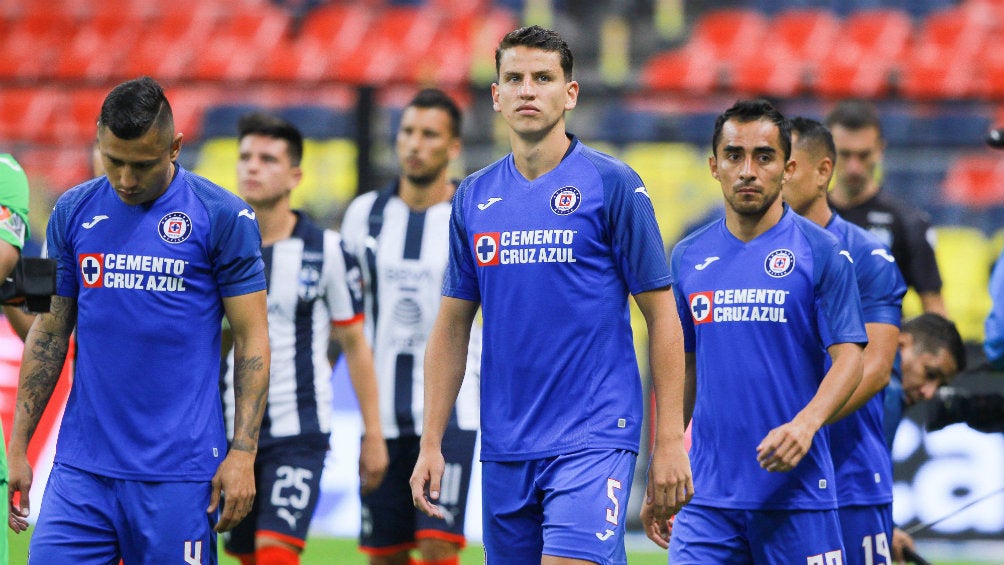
(31, 44)
(329, 176)
(221, 121)
(320, 122)
(941, 62)
(869, 47)
(965, 289)
(800, 40)
(975, 180)
(235, 50)
(217, 161)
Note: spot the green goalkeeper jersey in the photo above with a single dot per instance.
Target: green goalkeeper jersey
(13, 202)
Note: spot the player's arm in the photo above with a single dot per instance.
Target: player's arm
(44, 356)
(785, 446)
(877, 358)
(933, 302)
(445, 366)
(248, 315)
(670, 484)
(373, 457)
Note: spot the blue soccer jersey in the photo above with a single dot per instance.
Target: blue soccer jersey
(857, 443)
(759, 316)
(148, 281)
(552, 262)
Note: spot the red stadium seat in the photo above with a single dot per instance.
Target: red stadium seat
(866, 52)
(235, 49)
(29, 114)
(98, 50)
(975, 180)
(941, 62)
(31, 43)
(399, 37)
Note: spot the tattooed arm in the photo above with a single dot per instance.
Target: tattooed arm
(248, 317)
(44, 355)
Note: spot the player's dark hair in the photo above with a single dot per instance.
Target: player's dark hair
(814, 136)
(933, 332)
(854, 115)
(270, 125)
(746, 111)
(435, 98)
(134, 106)
(538, 38)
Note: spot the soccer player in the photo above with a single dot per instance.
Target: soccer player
(550, 241)
(314, 295)
(858, 196)
(763, 294)
(401, 235)
(861, 459)
(13, 233)
(150, 258)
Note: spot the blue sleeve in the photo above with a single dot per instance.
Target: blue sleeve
(637, 242)
(838, 301)
(57, 247)
(882, 288)
(236, 246)
(682, 304)
(993, 344)
(460, 279)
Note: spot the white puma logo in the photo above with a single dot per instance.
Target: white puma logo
(706, 262)
(94, 221)
(247, 214)
(642, 190)
(492, 200)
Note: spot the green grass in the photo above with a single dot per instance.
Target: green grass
(324, 551)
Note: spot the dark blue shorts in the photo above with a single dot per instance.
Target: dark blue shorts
(702, 534)
(570, 505)
(287, 485)
(867, 534)
(87, 519)
(390, 521)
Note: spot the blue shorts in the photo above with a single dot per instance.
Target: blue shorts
(287, 485)
(88, 519)
(702, 534)
(571, 505)
(867, 534)
(390, 521)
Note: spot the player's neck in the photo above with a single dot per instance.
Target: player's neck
(843, 198)
(422, 196)
(747, 227)
(819, 212)
(535, 157)
(275, 222)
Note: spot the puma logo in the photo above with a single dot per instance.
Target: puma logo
(247, 214)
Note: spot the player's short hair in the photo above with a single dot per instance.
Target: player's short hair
(270, 125)
(814, 136)
(934, 332)
(746, 111)
(538, 38)
(134, 106)
(854, 115)
(436, 98)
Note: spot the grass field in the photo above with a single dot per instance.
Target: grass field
(329, 551)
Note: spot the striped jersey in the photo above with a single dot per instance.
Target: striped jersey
(312, 283)
(857, 442)
(552, 262)
(149, 281)
(403, 254)
(758, 317)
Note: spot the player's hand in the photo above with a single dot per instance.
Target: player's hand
(785, 446)
(373, 461)
(900, 540)
(659, 531)
(19, 484)
(234, 482)
(428, 472)
(670, 483)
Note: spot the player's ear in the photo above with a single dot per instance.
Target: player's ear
(713, 165)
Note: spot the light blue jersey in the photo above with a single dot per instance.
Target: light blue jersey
(552, 262)
(759, 316)
(149, 282)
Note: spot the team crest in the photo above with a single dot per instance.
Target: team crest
(701, 306)
(91, 269)
(309, 279)
(565, 200)
(779, 263)
(175, 227)
(486, 248)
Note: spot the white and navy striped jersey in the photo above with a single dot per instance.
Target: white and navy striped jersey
(312, 283)
(403, 265)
